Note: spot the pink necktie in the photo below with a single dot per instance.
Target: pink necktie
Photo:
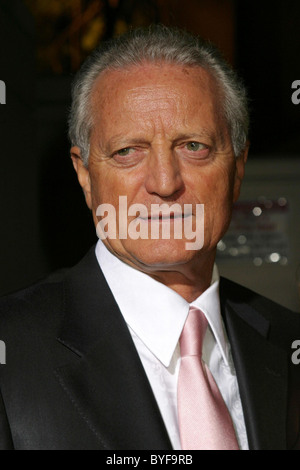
(204, 421)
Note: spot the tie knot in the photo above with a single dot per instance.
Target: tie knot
(193, 332)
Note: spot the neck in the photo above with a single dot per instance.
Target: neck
(188, 280)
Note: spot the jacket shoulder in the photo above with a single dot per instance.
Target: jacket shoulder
(284, 323)
(24, 308)
(40, 307)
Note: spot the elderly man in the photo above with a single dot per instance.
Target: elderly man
(142, 345)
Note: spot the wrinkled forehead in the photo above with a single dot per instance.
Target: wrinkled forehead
(161, 90)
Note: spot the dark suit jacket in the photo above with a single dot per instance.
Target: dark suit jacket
(73, 379)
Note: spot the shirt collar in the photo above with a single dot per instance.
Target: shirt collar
(209, 303)
(152, 310)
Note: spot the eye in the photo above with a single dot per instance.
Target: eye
(127, 156)
(195, 146)
(194, 151)
(124, 152)
(124, 155)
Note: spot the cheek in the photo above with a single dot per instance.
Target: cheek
(216, 193)
(96, 190)
(108, 184)
(101, 189)
(214, 187)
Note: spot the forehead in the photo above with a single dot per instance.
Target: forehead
(153, 78)
(154, 90)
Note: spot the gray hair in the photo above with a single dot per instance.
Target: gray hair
(157, 44)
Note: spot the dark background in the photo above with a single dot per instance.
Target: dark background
(44, 222)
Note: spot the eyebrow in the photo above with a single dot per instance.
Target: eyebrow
(195, 135)
(116, 139)
(119, 141)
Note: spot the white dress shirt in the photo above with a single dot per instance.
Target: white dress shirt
(155, 315)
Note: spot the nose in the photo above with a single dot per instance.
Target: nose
(163, 176)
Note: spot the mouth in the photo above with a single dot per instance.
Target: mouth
(164, 217)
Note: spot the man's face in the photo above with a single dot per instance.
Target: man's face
(159, 137)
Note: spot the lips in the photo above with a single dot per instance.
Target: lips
(167, 216)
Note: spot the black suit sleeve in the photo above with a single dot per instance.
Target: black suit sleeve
(6, 442)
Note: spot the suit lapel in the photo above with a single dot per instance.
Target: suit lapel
(261, 370)
(107, 385)
(105, 379)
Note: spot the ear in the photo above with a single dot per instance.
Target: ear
(240, 163)
(83, 175)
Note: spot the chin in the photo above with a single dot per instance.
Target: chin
(160, 253)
